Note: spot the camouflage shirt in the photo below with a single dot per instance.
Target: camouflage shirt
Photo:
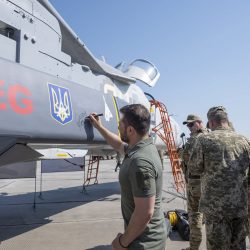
(222, 159)
(188, 149)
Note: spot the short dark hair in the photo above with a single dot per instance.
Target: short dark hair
(137, 116)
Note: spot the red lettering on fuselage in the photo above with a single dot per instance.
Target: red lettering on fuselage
(2, 105)
(12, 93)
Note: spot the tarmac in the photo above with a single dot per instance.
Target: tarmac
(67, 218)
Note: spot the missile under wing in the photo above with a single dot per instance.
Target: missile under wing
(50, 82)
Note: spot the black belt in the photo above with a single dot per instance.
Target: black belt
(196, 177)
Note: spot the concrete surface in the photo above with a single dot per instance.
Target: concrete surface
(66, 218)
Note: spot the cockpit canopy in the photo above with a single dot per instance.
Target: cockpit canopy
(144, 71)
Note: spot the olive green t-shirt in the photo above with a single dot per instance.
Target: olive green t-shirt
(141, 176)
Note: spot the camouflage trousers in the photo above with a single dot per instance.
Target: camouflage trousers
(248, 224)
(194, 216)
(225, 233)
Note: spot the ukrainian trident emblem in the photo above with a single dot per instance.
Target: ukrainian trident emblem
(60, 104)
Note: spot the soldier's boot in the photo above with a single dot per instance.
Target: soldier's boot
(248, 226)
(195, 224)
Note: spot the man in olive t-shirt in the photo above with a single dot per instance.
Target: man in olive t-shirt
(140, 179)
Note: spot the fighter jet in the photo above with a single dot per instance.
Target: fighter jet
(50, 82)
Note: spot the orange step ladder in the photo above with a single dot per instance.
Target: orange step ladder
(165, 132)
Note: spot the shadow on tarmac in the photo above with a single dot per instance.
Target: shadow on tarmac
(107, 247)
(18, 216)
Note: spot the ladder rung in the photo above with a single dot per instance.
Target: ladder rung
(90, 178)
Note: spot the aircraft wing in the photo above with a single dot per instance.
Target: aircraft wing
(12, 151)
(73, 46)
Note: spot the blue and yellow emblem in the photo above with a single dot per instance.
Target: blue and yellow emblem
(60, 104)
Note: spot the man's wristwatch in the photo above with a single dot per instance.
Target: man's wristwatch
(121, 242)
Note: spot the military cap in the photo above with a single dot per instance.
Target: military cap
(192, 118)
(216, 110)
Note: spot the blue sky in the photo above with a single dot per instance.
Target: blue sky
(201, 48)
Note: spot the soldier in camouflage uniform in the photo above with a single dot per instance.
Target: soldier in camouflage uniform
(222, 158)
(195, 125)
